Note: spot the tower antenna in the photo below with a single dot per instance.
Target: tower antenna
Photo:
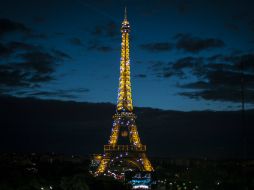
(125, 13)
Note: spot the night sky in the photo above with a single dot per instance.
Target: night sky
(59, 72)
(185, 55)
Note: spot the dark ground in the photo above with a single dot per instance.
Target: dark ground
(61, 172)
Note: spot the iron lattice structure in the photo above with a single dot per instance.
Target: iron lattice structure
(124, 150)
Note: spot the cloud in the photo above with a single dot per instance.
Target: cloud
(140, 76)
(39, 19)
(8, 26)
(97, 46)
(41, 62)
(24, 65)
(11, 76)
(184, 42)
(108, 30)
(187, 62)
(196, 85)
(192, 44)
(76, 42)
(231, 26)
(221, 94)
(157, 47)
(60, 55)
(13, 47)
(4, 51)
(37, 35)
(156, 65)
(167, 73)
(179, 68)
(223, 79)
(69, 93)
(32, 69)
(102, 35)
(218, 77)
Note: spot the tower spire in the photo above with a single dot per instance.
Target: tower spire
(124, 99)
(125, 13)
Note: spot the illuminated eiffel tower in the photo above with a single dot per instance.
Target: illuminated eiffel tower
(124, 151)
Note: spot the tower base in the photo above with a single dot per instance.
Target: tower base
(116, 163)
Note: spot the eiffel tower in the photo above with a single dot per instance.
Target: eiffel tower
(124, 151)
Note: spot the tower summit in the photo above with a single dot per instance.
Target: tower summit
(124, 151)
(124, 100)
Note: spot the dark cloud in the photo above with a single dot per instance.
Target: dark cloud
(33, 68)
(178, 68)
(37, 36)
(112, 30)
(76, 42)
(167, 73)
(218, 77)
(196, 44)
(100, 32)
(21, 45)
(224, 79)
(241, 15)
(22, 64)
(41, 62)
(4, 51)
(39, 19)
(221, 94)
(109, 30)
(28, 65)
(233, 62)
(215, 57)
(231, 26)
(246, 61)
(14, 47)
(97, 46)
(196, 85)
(39, 78)
(156, 65)
(71, 93)
(140, 76)
(60, 55)
(8, 26)
(187, 62)
(10, 76)
(157, 47)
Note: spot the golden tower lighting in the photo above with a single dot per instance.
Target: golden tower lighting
(124, 151)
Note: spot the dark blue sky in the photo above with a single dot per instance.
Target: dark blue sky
(185, 55)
